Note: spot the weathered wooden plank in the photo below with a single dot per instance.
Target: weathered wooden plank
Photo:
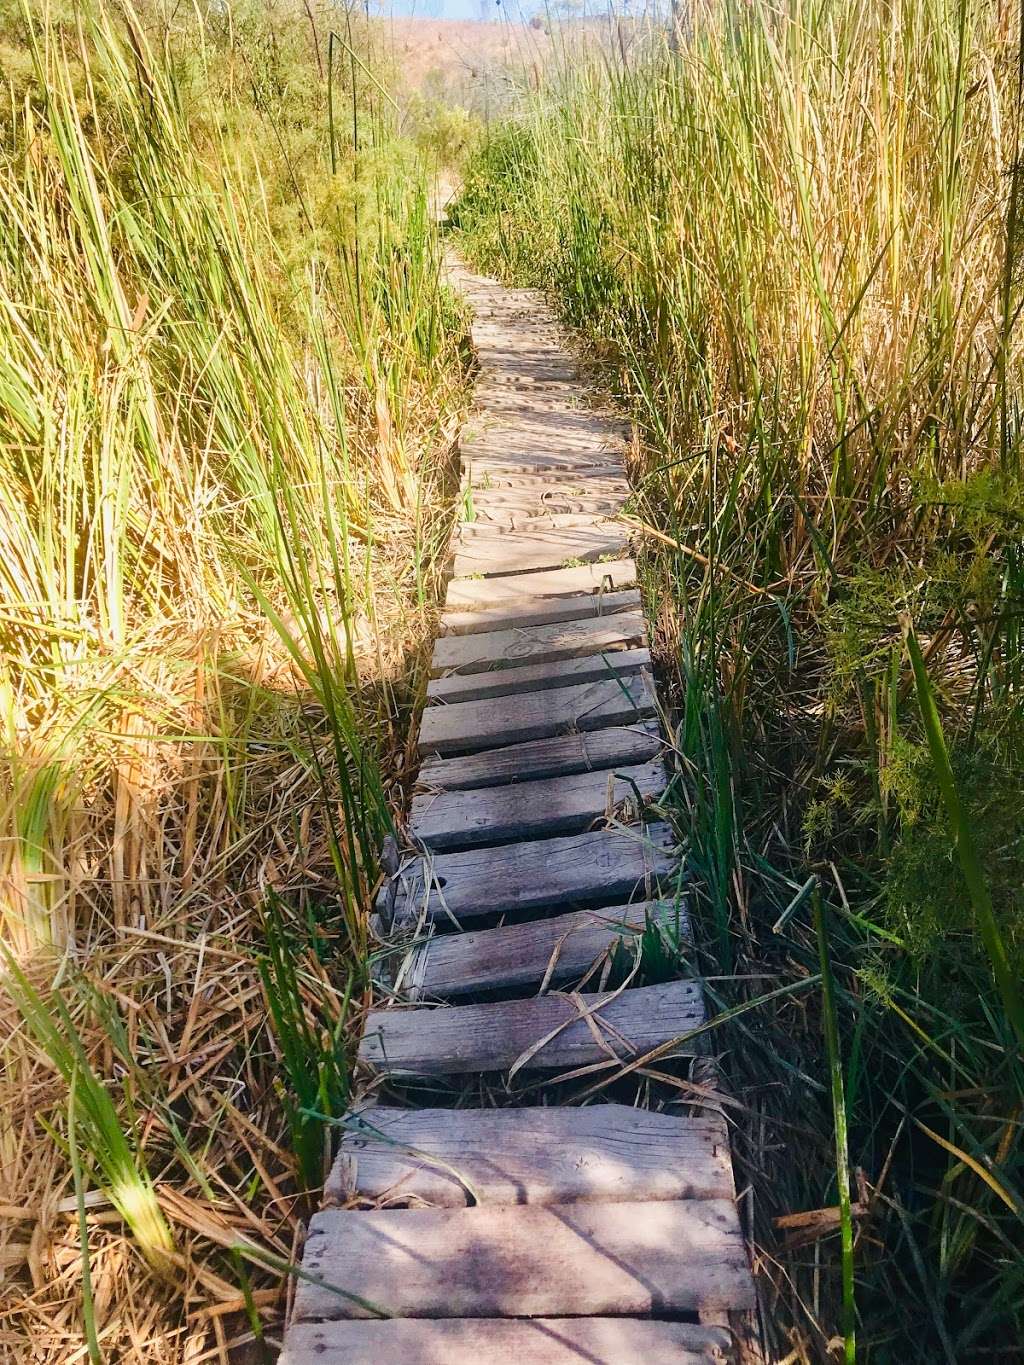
(509, 402)
(568, 403)
(520, 551)
(510, 333)
(575, 753)
(503, 518)
(486, 650)
(451, 1158)
(552, 391)
(503, 399)
(519, 490)
(542, 429)
(528, 491)
(484, 528)
(588, 590)
(509, 346)
(459, 1040)
(546, 425)
(455, 687)
(537, 451)
(519, 391)
(597, 868)
(524, 371)
(667, 1256)
(496, 1341)
(466, 727)
(472, 726)
(506, 353)
(482, 463)
(515, 336)
(560, 949)
(493, 473)
(530, 810)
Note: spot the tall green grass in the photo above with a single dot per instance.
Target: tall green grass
(796, 241)
(223, 412)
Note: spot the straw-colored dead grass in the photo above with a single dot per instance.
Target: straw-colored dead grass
(225, 490)
(165, 864)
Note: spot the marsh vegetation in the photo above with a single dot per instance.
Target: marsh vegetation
(230, 378)
(228, 383)
(795, 243)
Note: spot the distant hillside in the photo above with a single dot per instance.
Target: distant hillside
(454, 58)
(467, 61)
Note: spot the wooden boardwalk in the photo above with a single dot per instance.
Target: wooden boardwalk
(529, 1178)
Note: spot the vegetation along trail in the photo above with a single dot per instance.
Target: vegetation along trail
(229, 378)
(602, 931)
(793, 233)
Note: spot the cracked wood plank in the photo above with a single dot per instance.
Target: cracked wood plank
(562, 948)
(455, 687)
(486, 650)
(466, 727)
(602, 867)
(449, 1158)
(575, 753)
(663, 1256)
(528, 810)
(556, 1032)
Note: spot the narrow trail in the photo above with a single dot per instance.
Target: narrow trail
(531, 1178)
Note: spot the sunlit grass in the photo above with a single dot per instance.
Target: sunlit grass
(223, 502)
(797, 241)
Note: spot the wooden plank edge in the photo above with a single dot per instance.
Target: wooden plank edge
(620, 921)
(491, 1341)
(542, 677)
(585, 1259)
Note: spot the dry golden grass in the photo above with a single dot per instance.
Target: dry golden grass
(225, 492)
(798, 238)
